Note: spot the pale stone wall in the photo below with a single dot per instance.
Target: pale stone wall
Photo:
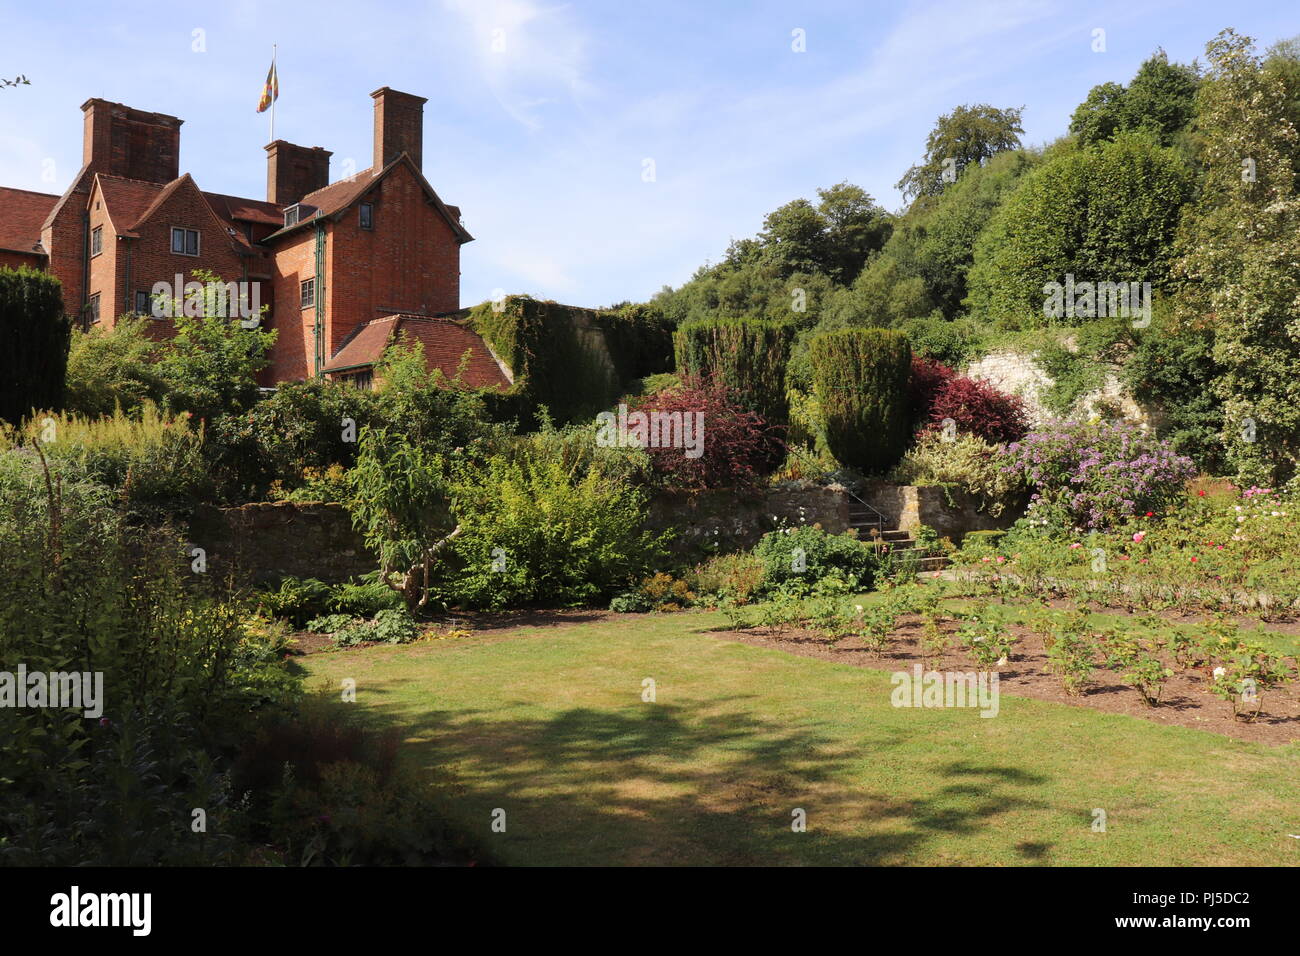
(1018, 374)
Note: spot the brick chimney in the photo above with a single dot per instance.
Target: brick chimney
(294, 171)
(122, 141)
(399, 126)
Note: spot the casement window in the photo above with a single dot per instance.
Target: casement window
(96, 241)
(94, 308)
(367, 215)
(185, 242)
(362, 380)
(308, 293)
(142, 303)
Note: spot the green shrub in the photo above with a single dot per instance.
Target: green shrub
(533, 531)
(965, 461)
(797, 559)
(860, 378)
(34, 362)
(297, 600)
(184, 679)
(110, 368)
(153, 461)
(364, 598)
(737, 578)
(749, 356)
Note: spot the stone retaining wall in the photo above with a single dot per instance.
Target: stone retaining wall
(265, 541)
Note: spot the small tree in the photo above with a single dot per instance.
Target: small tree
(860, 379)
(210, 367)
(34, 360)
(401, 502)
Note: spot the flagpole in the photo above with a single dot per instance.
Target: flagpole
(273, 96)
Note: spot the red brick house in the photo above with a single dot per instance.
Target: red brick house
(330, 260)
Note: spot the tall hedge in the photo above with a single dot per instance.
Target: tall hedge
(574, 361)
(36, 336)
(748, 355)
(860, 379)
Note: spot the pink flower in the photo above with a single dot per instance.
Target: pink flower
(1139, 536)
(1076, 545)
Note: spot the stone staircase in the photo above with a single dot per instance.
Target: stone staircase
(869, 525)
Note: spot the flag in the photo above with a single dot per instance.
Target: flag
(270, 92)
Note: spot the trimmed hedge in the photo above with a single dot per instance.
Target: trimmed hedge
(749, 356)
(36, 336)
(860, 378)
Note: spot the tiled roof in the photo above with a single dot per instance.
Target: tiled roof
(445, 341)
(127, 200)
(338, 196)
(245, 210)
(21, 215)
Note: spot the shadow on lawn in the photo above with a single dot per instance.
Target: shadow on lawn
(689, 784)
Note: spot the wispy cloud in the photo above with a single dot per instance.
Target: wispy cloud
(530, 56)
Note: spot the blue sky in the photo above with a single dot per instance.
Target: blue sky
(541, 115)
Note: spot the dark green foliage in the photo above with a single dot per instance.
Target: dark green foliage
(1161, 99)
(797, 559)
(81, 590)
(749, 356)
(573, 361)
(1170, 367)
(36, 336)
(639, 339)
(303, 425)
(860, 379)
(113, 367)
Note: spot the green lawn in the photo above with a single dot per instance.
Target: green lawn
(549, 725)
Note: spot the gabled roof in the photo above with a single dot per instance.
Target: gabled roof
(445, 341)
(336, 198)
(126, 200)
(22, 214)
(129, 203)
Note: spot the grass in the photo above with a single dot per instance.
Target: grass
(548, 724)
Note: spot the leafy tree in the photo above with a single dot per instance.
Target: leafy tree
(401, 502)
(33, 362)
(210, 367)
(1106, 213)
(969, 134)
(1242, 240)
(1160, 99)
(1101, 115)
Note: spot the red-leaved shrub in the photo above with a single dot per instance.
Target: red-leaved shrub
(735, 447)
(977, 407)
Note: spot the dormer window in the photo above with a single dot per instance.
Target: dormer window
(298, 212)
(367, 215)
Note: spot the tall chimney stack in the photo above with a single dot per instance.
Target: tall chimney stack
(294, 171)
(121, 141)
(399, 126)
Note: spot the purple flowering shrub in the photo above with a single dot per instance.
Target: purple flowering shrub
(1096, 476)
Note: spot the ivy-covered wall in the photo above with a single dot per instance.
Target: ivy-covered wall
(574, 361)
